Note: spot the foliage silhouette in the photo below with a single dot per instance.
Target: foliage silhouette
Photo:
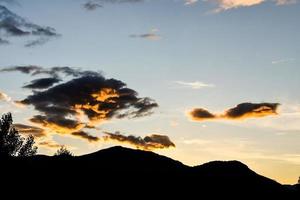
(63, 152)
(11, 142)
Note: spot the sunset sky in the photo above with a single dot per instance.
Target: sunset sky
(195, 80)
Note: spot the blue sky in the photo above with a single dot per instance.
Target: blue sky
(246, 54)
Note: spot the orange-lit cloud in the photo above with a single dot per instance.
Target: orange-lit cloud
(85, 100)
(241, 111)
(86, 136)
(30, 130)
(50, 144)
(4, 97)
(150, 142)
(224, 5)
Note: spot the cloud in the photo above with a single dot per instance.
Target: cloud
(224, 5)
(190, 2)
(230, 4)
(86, 136)
(194, 85)
(285, 2)
(12, 25)
(150, 142)
(30, 130)
(241, 111)
(4, 97)
(152, 35)
(50, 144)
(84, 100)
(201, 114)
(90, 5)
(283, 61)
(42, 83)
(53, 72)
(95, 4)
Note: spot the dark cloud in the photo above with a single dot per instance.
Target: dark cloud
(30, 69)
(246, 110)
(201, 114)
(97, 98)
(95, 4)
(42, 83)
(12, 25)
(54, 72)
(86, 136)
(30, 130)
(54, 121)
(241, 111)
(83, 101)
(90, 5)
(151, 142)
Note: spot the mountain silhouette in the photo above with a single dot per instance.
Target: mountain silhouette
(122, 167)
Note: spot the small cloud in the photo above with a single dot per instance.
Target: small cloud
(91, 5)
(4, 97)
(223, 5)
(190, 2)
(150, 142)
(194, 85)
(285, 2)
(241, 111)
(30, 130)
(50, 144)
(86, 136)
(95, 4)
(283, 61)
(152, 35)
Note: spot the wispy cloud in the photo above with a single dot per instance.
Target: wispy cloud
(223, 5)
(12, 25)
(285, 2)
(283, 61)
(95, 4)
(194, 85)
(190, 2)
(152, 35)
(4, 97)
(92, 5)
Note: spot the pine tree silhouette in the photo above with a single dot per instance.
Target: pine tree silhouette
(11, 142)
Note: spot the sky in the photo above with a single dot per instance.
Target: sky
(193, 80)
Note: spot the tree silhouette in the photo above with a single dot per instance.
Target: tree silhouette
(63, 152)
(11, 142)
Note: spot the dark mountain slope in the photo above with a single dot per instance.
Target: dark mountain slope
(121, 168)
